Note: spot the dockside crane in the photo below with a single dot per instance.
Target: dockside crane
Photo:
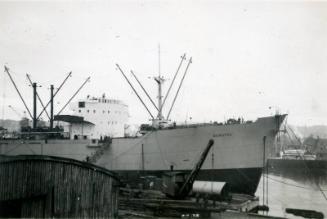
(177, 185)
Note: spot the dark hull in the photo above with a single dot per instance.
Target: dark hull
(243, 180)
(299, 170)
(280, 164)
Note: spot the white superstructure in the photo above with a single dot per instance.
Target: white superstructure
(109, 116)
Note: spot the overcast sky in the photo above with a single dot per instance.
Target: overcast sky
(249, 59)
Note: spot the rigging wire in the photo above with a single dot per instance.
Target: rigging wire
(290, 184)
(3, 97)
(307, 168)
(161, 154)
(69, 75)
(18, 146)
(134, 146)
(37, 94)
(87, 80)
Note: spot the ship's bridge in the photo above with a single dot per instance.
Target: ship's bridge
(109, 116)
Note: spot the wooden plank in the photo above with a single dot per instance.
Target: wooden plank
(68, 190)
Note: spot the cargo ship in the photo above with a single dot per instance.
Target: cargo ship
(237, 157)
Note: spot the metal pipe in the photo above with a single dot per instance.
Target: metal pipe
(188, 64)
(70, 73)
(74, 95)
(134, 90)
(12, 80)
(144, 90)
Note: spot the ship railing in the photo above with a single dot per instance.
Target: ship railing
(197, 125)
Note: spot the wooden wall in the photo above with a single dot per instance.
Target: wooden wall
(42, 186)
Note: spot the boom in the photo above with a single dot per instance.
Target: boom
(135, 91)
(87, 80)
(13, 82)
(176, 185)
(187, 186)
(180, 84)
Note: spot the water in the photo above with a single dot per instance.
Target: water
(295, 189)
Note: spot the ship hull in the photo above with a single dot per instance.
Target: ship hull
(237, 156)
(305, 171)
(313, 167)
(74, 149)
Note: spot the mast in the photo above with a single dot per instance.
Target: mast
(69, 75)
(51, 106)
(37, 95)
(157, 122)
(34, 106)
(160, 80)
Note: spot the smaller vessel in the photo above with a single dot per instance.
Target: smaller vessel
(297, 154)
(307, 157)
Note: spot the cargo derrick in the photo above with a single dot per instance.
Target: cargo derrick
(35, 130)
(159, 121)
(177, 185)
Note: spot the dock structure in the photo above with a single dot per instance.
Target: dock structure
(150, 203)
(44, 186)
